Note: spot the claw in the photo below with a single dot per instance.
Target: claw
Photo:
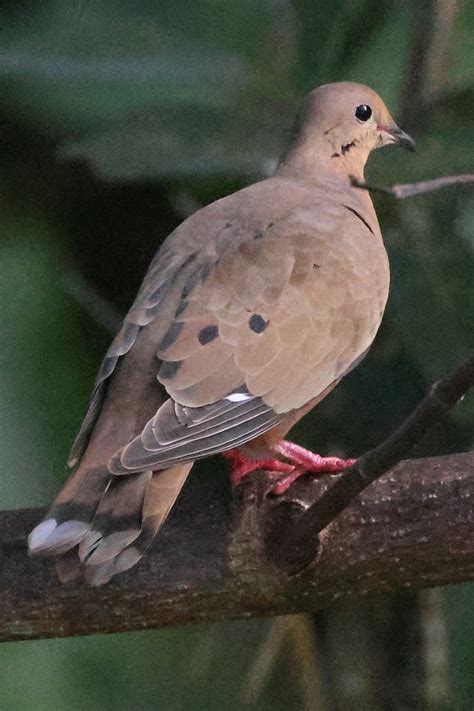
(305, 462)
(241, 465)
(301, 461)
(309, 461)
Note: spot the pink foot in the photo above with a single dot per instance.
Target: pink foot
(303, 462)
(312, 462)
(241, 466)
(306, 462)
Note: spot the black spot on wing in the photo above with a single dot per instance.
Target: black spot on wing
(197, 276)
(124, 340)
(168, 369)
(258, 234)
(171, 335)
(190, 284)
(181, 307)
(189, 260)
(159, 294)
(257, 323)
(208, 334)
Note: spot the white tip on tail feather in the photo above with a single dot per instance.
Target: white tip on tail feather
(48, 536)
(40, 534)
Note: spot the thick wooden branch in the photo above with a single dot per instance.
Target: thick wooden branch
(412, 528)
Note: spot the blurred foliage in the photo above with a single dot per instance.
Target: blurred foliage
(118, 119)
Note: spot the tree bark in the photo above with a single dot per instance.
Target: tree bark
(412, 528)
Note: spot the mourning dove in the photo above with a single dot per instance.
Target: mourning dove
(251, 312)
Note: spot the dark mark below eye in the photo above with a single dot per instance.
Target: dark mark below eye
(208, 334)
(257, 323)
(347, 147)
(169, 369)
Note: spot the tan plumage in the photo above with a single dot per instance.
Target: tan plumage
(250, 313)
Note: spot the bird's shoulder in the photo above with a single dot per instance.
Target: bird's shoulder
(256, 212)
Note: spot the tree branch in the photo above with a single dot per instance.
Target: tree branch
(413, 528)
(291, 533)
(401, 191)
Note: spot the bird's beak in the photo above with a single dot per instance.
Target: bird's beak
(399, 136)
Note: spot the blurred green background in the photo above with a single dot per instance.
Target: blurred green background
(118, 119)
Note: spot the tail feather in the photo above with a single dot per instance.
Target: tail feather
(68, 520)
(118, 519)
(162, 492)
(96, 575)
(108, 522)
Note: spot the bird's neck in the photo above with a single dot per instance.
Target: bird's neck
(308, 160)
(318, 170)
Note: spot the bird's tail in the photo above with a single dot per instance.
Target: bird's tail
(101, 524)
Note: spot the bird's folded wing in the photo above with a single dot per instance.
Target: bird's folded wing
(247, 329)
(178, 434)
(159, 293)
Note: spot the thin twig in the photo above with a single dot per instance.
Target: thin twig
(401, 191)
(264, 661)
(305, 661)
(298, 632)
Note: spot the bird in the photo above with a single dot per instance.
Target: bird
(251, 312)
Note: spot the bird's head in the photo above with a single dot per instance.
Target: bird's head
(339, 126)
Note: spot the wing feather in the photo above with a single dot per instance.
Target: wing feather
(176, 434)
(278, 309)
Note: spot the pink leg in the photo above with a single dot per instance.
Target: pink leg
(241, 465)
(306, 462)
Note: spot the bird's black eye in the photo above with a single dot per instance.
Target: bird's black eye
(363, 112)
